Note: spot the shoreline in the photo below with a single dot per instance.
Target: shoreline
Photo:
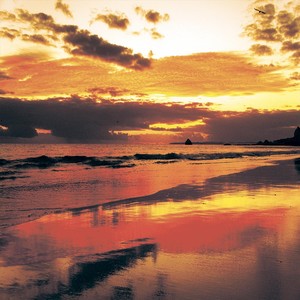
(190, 191)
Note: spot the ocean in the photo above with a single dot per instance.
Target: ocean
(120, 221)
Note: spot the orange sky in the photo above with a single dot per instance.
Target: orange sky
(198, 63)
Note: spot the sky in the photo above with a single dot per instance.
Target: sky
(94, 71)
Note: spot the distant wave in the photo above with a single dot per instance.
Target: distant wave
(10, 175)
(168, 156)
(43, 162)
(210, 156)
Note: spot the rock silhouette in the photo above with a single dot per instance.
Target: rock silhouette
(188, 142)
(292, 141)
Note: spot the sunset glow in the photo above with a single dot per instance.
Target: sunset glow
(149, 68)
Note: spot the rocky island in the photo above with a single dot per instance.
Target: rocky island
(188, 142)
(292, 141)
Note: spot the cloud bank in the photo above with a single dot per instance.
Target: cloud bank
(207, 74)
(84, 120)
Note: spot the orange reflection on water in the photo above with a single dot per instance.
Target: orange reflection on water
(187, 226)
(209, 246)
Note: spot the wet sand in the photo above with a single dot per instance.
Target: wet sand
(54, 190)
(234, 236)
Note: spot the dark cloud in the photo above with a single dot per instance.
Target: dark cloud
(263, 34)
(56, 28)
(155, 17)
(291, 29)
(37, 21)
(155, 34)
(7, 16)
(9, 33)
(290, 46)
(84, 119)
(64, 8)
(284, 17)
(276, 27)
(265, 20)
(80, 42)
(252, 125)
(42, 21)
(261, 49)
(269, 9)
(4, 92)
(86, 44)
(113, 91)
(35, 38)
(151, 15)
(295, 76)
(113, 20)
(296, 57)
(52, 37)
(19, 130)
(4, 76)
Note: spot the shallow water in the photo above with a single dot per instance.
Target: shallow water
(41, 179)
(234, 236)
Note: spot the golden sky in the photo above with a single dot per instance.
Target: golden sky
(200, 66)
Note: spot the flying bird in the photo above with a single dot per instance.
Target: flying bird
(260, 11)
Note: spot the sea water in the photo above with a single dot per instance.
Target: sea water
(149, 222)
(41, 179)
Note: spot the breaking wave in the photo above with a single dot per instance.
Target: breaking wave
(44, 162)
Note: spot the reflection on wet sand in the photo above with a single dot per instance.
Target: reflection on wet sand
(87, 271)
(227, 239)
(43, 281)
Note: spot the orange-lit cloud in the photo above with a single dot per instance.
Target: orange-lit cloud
(112, 91)
(7, 16)
(64, 8)
(261, 49)
(211, 74)
(9, 33)
(76, 41)
(83, 43)
(113, 20)
(276, 27)
(35, 38)
(155, 34)
(295, 76)
(151, 15)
